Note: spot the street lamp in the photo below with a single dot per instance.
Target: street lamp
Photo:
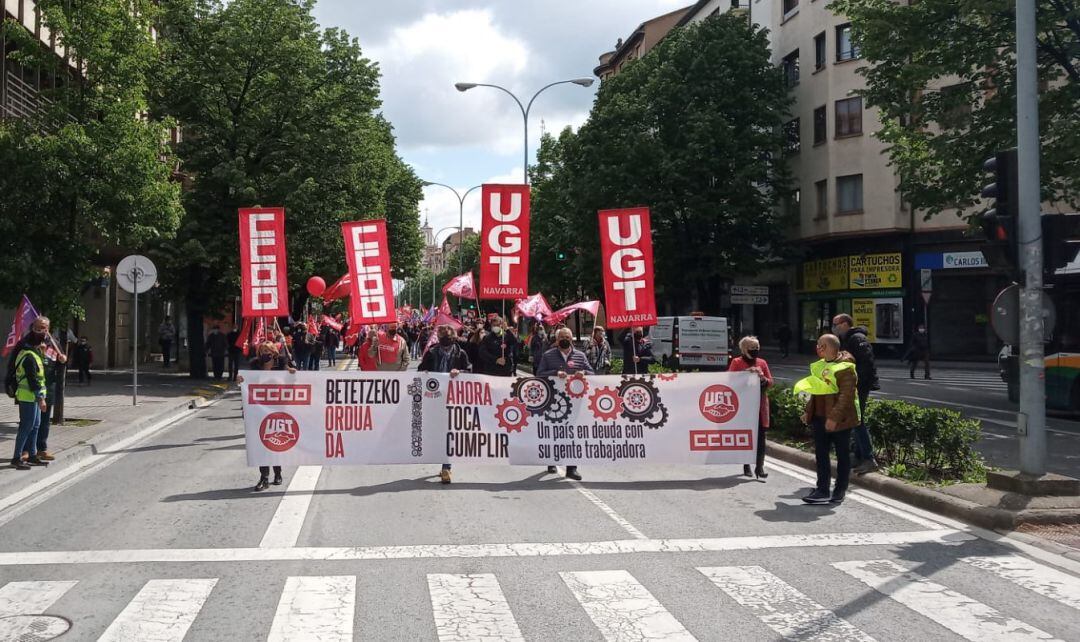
(461, 208)
(435, 237)
(466, 86)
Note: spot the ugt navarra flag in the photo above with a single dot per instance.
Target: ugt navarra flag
(627, 264)
(504, 242)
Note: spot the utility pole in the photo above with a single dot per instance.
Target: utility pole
(1031, 421)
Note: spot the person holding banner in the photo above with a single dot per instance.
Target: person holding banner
(562, 361)
(445, 356)
(750, 347)
(268, 357)
(832, 412)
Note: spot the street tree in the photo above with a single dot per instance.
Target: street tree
(943, 75)
(276, 112)
(86, 174)
(693, 131)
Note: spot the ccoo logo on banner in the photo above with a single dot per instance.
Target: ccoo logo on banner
(368, 257)
(627, 263)
(504, 242)
(263, 277)
(335, 418)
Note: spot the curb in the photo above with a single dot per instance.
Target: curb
(987, 517)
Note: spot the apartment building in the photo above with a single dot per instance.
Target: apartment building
(639, 42)
(866, 252)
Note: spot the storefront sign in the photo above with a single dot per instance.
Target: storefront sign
(882, 318)
(825, 275)
(755, 290)
(950, 260)
(871, 271)
(343, 418)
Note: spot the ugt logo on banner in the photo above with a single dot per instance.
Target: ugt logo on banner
(627, 256)
(504, 245)
(368, 256)
(263, 278)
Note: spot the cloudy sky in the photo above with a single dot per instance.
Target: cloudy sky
(463, 139)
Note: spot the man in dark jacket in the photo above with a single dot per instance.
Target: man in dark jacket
(446, 356)
(920, 351)
(637, 351)
(853, 341)
(235, 354)
(496, 351)
(562, 361)
(217, 346)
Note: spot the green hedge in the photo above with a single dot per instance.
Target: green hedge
(910, 441)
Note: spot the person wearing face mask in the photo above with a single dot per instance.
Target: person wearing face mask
(562, 361)
(30, 395)
(598, 351)
(388, 349)
(854, 341)
(920, 351)
(496, 349)
(269, 357)
(447, 356)
(831, 412)
(637, 351)
(751, 361)
(538, 345)
(82, 357)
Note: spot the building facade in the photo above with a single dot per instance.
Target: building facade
(638, 43)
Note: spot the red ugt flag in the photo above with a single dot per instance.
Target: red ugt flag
(20, 325)
(368, 256)
(461, 286)
(263, 276)
(627, 256)
(504, 242)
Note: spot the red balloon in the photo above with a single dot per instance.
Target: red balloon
(316, 286)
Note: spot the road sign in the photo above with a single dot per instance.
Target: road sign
(755, 290)
(136, 274)
(926, 281)
(926, 297)
(751, 299)
(1006, 315)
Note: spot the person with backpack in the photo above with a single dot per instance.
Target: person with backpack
(26, 383)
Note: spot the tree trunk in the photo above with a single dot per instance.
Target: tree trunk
(196, 310)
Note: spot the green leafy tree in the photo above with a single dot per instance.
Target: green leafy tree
(87, 174)
(275, 112)
(693, 131)
(943, 75)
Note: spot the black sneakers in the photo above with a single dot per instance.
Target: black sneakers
(263, 484)
(837, 498)
(572, 473)
(817, 497)
(19, 464)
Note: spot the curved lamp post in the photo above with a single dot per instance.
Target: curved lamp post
(461, 214)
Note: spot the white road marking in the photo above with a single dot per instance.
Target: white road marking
(780, 606)
(288, 520)
(23, 500)
(860, 496)
(1046, 581)
(622, 608)
(315, 608)
(472, 607)
(31, 598)
(162, 611)
(607, 510)
(517, 549)
(957, 612)
(952, 403)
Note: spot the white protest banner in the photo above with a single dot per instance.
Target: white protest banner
(344, 418)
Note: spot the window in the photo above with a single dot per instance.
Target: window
(820, 126)
(821, 189)
(791, 69)
(956, 106)
(789, 6)
(849, 117)
(845, 48)
(849, 194)
(793, 205)
(792, 141)
(819, 51)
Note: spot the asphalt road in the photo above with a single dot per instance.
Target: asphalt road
(978, 394)
(163, 539)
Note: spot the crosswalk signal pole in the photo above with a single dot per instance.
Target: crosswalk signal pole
(1031, 421)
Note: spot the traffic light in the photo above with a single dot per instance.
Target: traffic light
(999, 223)
(1061, 240)
(560, 255)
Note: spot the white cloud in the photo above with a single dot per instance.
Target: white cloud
(441, 206)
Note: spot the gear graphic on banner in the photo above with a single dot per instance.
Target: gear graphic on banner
(577, 387)
(536, 393)
(512, 415)
(560, 408)
(605, 403)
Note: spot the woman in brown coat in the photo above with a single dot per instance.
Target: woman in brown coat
(832, 415)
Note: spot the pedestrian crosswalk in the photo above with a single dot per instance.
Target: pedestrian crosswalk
(982, 380)
(618, 606)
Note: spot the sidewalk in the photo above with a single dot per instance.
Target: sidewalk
(102, 413)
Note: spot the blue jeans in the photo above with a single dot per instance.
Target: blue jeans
(864, 448)
(331, 355)
(313, 361)
(42, 439)
(26, 438)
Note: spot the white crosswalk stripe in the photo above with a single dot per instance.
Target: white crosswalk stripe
(315, 608)
(959, 613)
(1044, 580)
(162, 611)
(780, 606)
(470, 608)
(31, 598)
(622, 608)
